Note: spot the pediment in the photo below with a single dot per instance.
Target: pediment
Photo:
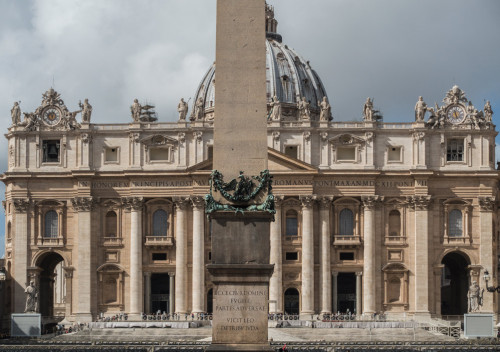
(158, 140)
(277, 162)
(346, 139)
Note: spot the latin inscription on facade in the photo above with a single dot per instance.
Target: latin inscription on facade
(240, 309)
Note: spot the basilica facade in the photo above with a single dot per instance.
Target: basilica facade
(370, 216)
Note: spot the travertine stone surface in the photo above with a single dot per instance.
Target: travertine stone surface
(240, 132)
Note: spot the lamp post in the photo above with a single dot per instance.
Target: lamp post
(486, 277)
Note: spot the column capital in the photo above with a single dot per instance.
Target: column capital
(486, 204)
(359, 273)
(198, 202)
(68, 271)
(21, 205)
(335, 273)
(369, 202)
(83, 203)
(181, 202)
(147, 273)
(307, 201)
(278, 200)
(171, 274)
(325, 202)
(133, 203)
(420, 202)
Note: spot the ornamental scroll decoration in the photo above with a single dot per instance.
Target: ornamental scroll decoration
(240, 192)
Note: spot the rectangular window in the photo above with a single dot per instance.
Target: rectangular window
(159, 154)
(394, 154)
(292, 226)
(346, 255)
(291, 256)
(51, 151)
(111, 155)
(156, 257)
(346, 154)
(292, 151)
(210, 152)
(455, 150)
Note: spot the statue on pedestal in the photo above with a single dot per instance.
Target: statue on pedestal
(31, 298)
(198, 110)
(86, 110)
(275, 114)
(135, 109)
(304, 112)
(474, 297)
(326, 110)
(368, 110)
(15, 113)
(488, 112)
(182, 108)
(420, 109)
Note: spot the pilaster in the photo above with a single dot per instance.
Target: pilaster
(198, 281)
(276, 281)
(181, 204)
(486, 250)
(307, 309)
(20, 253)
(325, 265)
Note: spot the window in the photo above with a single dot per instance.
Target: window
(291, 256)
(111, 155)
(159, 154)
(346, 153)
(159, 256)
(394, 290)
(455, 150)
(292, 151)
(51, 149)
(394, 154)
(50, 224)
(111, 224)
(455, 223)
(210, 152)
(160, 223)
(346, 222)
(9, 231)
(394, 223)
(346, 255)
(292, 228)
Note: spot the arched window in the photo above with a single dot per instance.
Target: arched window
(51, 224)
(394, 223)
(160, 223)
(346, 222)
(111, 224)
(455, 223)
(292, 225)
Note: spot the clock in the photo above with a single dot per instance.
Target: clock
(455, 114)
(51, 116)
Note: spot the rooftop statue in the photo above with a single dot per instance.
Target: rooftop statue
(368, 110)
(198, 110)
(15, 113)
(488, 112)
(135, 109)
(420, 109)
(326, 110)
(454, 96)
(182, 108)
(304, 111)
(86, 110)
(275, 113)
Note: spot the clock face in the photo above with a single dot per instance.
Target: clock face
(51, 116)
(455, 114)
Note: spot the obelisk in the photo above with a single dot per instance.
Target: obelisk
(240, 207)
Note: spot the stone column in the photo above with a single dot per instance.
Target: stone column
(421, 205)
(147, 292)
(276, 281)
(325, 261)
(136, 286)
(85, 271)
(171, 293)
(369, 262)
(359, 275)
(486, 250)
(438, 270)
(20, 253)
(180, 255)
(335, 275)
(307, 309)
(198, 281)
(68, 274)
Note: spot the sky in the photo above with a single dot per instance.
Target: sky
(113, 51)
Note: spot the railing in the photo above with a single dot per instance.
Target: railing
(456, 239)
(292, 238)
(346, 240)
(50, 241)
(159, 241)
(112, 241)
(395, 239)
(389, 126)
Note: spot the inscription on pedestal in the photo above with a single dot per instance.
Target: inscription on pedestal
(240, 308)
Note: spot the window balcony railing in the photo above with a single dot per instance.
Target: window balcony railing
(292, 239)
(346, 240)
(112, 241)
(455, 240)
(391, 240)
(50, 241)
(159, 241)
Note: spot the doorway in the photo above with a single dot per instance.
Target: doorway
(48, 276)
(346, 292)
(160, 292)
(292, 301)
(454, 284)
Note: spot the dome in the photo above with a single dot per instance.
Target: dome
(288, 76)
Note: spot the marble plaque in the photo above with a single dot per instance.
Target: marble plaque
(240, 314)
